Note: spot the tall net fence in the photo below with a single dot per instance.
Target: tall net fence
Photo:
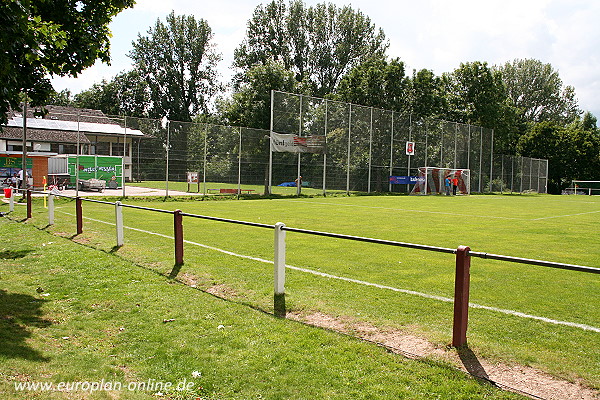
(364, 146)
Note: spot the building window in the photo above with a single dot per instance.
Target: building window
(103, 148)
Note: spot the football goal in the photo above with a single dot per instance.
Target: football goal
(432, 180)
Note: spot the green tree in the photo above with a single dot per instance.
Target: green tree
(572, 152)
(43, 38)
(538, 92)
(178, 61)
(377, 83)
(476, 94)
(125, 94)
(318, 44)
(62, 98)
(426, 95)
(250, 104)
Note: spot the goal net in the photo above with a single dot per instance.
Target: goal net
(432, 180)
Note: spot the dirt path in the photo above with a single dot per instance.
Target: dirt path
(527, 380)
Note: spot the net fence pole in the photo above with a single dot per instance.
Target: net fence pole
(348, 160)
(325, 152)
(391, 154)
(491, 159)
(512, 173)
(410, 139)
(546, 181)
(298, 183)
(271, 144)
(530, 172)
(204, 160)
(239, 180)
(480, 158)
(370, 153)
(167, 163)
(455, 145)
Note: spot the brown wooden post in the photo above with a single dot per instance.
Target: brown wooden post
(79, 215)
(29, 204)
(178, 234)
(461, 296)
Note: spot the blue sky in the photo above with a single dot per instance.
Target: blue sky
(432, 34)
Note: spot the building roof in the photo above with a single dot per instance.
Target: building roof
(43, 135)
(62, 124)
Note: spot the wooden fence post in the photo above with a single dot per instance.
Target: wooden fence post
(29, 204)
(178, 234)
(79, 215)
(461, 296)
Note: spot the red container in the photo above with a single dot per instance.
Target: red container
(7, 192)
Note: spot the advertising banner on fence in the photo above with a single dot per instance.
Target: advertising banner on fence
(281, 142)
(405, 180)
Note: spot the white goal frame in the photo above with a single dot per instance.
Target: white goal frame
(430, 180)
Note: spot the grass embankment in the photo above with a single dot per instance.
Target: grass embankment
(73, 314)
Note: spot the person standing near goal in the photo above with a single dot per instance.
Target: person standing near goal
(447, 185)
(454, 184)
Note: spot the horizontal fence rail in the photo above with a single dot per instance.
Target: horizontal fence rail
(463, 253)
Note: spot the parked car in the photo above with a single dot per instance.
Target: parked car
(92, 184)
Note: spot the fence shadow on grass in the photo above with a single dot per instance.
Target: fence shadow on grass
(471, 363)
(18, 314)
(13, 254)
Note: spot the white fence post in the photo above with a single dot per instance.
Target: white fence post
(119, 223)
(50, 209)
(279, 270)
(11, 203)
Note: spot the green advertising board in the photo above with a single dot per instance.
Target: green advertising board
(106, 168)
(14, 162)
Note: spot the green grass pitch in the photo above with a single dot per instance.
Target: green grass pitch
(552, 305)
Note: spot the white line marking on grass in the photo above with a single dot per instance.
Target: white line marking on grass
(567, 215)
(365, 283)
